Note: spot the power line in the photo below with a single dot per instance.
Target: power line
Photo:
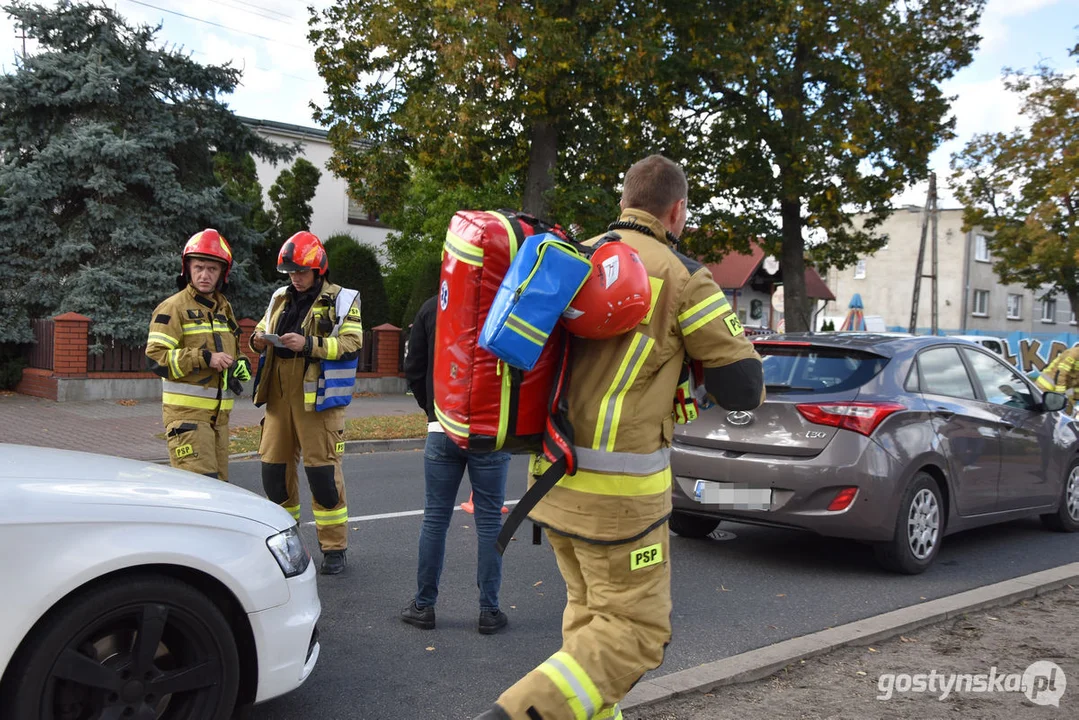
(224, 27)
(260, 7)
(229, 4)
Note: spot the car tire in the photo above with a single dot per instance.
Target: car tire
(919, 528)
(692, 526)
(88, 654)
(1066, 518)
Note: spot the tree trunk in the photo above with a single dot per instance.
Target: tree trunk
(542, 157)
(792, 261)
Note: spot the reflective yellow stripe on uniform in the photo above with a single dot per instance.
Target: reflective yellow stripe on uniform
(167, 340)
(197, 328)
(612, 713)
(173, 357)
(569, 677)
(194, 402)
(330, 344)
(293, 510)
(597, 483)
(351, 328)
(331, 517)
(703, 313)
(463, 251)
(611, 405)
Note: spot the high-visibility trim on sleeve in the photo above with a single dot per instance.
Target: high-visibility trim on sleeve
(330, 344)
(703, 313)
(162, 339)
(173, 357)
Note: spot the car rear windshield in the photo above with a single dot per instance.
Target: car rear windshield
(807, 368)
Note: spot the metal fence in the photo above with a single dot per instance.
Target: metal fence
(39, 355)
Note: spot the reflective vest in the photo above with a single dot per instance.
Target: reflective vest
(337, 378)
(334, 336)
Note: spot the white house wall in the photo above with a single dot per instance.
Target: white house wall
(330, 203)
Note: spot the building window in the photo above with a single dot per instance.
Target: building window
(981, 248)
(859, 270)
(358, 216)
(1015, 306)
(1049, 310)
(981, 303)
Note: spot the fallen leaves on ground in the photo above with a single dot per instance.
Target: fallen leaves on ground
(127, 402)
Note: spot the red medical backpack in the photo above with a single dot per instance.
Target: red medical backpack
(481, 402)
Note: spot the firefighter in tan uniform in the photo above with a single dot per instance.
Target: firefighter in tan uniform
(318, 326)
(607, 523)
(1061, 375)
(193, 345)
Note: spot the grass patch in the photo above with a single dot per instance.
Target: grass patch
(374, 427)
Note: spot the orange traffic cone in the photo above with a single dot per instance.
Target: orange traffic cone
(469, 508)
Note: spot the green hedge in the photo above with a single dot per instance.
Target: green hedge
(356, 266)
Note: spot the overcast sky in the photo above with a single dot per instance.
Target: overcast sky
(267, 39)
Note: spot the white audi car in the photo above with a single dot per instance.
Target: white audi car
(133, 590)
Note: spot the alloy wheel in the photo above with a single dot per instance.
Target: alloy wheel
(923, 523)
(144, 662)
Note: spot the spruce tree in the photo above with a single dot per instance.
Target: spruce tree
(107, 144)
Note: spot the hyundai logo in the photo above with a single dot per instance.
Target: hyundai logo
(739, 417)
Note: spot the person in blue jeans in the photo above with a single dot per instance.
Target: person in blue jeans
(444, 465)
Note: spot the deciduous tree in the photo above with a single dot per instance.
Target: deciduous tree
(1023, 187)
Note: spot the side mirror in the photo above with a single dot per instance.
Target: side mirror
(1054, 401)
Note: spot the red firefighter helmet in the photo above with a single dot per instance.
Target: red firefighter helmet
(303, 251)
(615, 297)
(208, 245)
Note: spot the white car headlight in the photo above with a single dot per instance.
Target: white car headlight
(291, 554)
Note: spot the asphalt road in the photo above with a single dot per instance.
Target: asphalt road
(752, 588)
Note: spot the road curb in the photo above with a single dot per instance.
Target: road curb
(360, 447)
(762, 662)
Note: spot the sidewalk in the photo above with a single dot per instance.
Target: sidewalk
(106, 426)
(1001, 652)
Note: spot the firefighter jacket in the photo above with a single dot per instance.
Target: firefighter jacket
(621, 391)
(318, 327)
(184, 331)
(1061, 375)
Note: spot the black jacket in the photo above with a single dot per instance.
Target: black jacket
(420, 359)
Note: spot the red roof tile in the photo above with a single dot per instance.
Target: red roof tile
(735, 270)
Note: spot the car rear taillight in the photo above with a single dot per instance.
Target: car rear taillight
(861, 417)
(843, 499)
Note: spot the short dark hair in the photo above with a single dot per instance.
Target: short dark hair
(654, 184)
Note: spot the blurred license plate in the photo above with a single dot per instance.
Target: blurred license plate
(732, 495)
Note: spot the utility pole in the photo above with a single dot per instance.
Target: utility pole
(933, 263)
(23, 38)
(930, 212)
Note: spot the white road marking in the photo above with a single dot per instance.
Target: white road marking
(404, 513)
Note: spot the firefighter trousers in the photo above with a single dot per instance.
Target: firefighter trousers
(290, 431)
(615, 627)
(199, 447)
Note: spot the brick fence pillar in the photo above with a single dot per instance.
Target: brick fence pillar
(247, 326)
(70, 343)
(388, 343)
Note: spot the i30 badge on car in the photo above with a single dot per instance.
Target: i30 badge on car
(739, 417)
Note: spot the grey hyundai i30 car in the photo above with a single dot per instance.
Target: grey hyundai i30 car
(893, 440)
